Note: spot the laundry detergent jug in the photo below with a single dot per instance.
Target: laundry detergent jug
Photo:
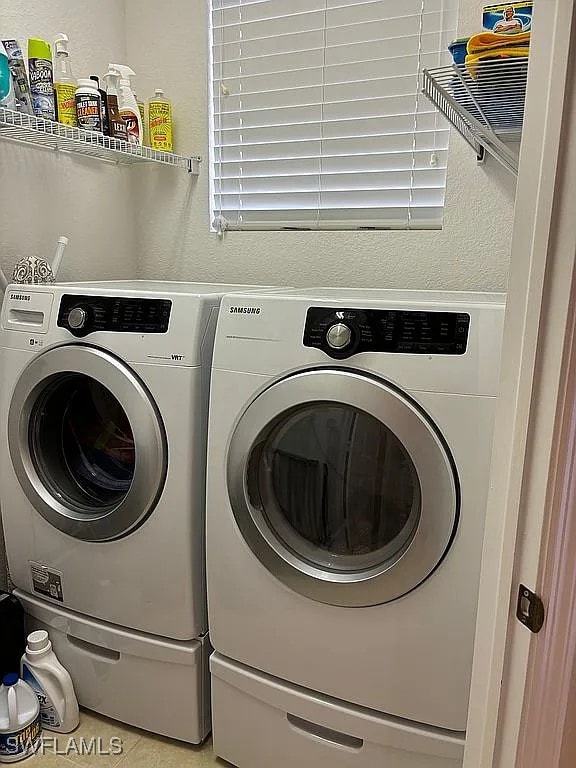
(51, 683)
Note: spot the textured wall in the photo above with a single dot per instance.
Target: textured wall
(44, 194)
(173, 238)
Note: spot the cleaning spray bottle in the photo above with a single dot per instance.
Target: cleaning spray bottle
(19, 76)
(128, 105)
(51, 683)
(116, 124)
(41, 82)
(64, 83)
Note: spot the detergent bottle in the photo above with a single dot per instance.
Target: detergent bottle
(51, 683)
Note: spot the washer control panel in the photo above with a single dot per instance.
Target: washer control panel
(344, 332)
(82, 315)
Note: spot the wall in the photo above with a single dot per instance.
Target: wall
(173, 238)
(44, 194)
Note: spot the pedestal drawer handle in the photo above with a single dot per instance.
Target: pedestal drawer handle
(102, 654)
(326, 734)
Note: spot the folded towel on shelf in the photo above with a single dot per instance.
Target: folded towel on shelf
(485, 41)
(491, 45)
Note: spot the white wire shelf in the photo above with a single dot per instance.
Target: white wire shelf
(484, 102)
(25, 129)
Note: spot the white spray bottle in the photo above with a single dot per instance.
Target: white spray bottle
(128, 105)
(51, 683)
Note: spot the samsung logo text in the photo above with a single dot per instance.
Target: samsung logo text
(245, 310)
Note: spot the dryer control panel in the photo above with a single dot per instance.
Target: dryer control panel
(344, 332)
(82, 315)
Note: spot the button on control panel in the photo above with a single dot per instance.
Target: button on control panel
(82, 315)
(344, 332)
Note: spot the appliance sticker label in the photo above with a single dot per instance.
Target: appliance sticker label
(46, 581)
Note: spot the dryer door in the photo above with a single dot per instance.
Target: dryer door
(86, 442)
(342, 487)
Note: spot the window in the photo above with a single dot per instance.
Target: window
(318, 120)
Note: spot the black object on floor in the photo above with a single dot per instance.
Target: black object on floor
(12, 634)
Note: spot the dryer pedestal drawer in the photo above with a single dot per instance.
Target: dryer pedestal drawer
(155, 684)
(259, 721)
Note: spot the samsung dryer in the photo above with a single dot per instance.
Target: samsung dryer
(349, 442)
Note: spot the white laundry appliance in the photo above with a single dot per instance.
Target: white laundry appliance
(349, 451)
(103, 407)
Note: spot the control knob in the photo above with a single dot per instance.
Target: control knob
(339, 336)
(77, 318)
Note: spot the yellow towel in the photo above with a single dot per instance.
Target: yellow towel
(492, 45)
(487, 41)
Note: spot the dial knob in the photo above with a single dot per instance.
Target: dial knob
(77, 318)
(338, 336)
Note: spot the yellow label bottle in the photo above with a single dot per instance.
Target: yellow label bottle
(160, 122)
(66, 103)
(64, 83)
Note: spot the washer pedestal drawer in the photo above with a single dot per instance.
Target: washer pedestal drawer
(259, 721)
(149, 682)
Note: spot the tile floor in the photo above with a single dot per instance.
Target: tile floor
(139, 749)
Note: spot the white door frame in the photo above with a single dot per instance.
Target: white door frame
(535, 330)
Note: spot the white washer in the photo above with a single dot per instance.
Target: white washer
(103, 406)
(349, 450)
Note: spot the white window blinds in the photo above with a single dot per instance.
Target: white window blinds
(318, 120)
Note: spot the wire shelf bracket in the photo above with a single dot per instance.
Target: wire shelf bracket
(484, 102)
(26, 129)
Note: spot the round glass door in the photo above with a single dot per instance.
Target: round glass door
(342, 487)
(87, 443)
(336, 486)
(82, 444)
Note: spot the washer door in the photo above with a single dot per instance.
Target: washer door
(87, 443)
(342, 487)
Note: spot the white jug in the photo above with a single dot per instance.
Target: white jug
(19, 719)
(51, 682)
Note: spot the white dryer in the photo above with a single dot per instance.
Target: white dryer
(349, 450)
(103, 406)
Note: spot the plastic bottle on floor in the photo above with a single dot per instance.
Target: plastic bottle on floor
(19, 719)
(52, 684)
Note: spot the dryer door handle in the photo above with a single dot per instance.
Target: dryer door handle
(326, 734)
